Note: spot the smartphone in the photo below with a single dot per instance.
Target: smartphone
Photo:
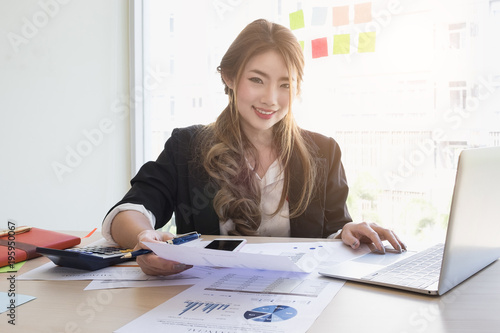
(226, 244)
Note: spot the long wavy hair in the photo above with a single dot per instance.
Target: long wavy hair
(225, 149)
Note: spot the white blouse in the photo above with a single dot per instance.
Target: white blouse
(271, 187)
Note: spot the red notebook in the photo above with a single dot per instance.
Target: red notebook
(26, 243)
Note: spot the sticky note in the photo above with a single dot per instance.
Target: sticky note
(301, 42)
(340, 15)
(319, 15)
(366, 42)
(13, 268)
(319, 47)
(297, 20)
(363, 12)
(341, 44)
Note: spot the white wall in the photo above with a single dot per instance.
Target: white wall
(64, 125)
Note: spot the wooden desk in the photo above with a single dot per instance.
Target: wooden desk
(63, 306)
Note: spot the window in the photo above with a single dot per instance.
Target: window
(403, 86)
(457, 35)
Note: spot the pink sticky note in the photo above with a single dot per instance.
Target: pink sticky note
(319, 47)
(363, 12)
(340, 15)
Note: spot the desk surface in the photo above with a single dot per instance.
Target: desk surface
(63, 306)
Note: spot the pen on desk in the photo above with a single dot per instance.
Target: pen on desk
(175, 241)
(16, 231)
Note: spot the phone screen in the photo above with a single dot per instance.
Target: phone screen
(225, 245)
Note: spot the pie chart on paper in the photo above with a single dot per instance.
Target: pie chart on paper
(271, 313)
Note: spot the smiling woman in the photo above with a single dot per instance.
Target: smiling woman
(257, 127)
(270, 177)
(263, 92)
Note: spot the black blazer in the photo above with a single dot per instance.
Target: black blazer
(175, 182)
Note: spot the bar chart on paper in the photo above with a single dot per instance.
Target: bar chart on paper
(268, 284)
(266, 313)
(234, 301)
(193, 306)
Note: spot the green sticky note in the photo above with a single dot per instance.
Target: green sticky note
(13, 268)
(301, 42)
(297, 20)
(366, 42)
(341, 44)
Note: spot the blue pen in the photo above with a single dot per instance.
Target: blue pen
(184, 238)
(175, 241)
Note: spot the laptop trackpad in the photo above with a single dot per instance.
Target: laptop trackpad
(364, 265)
(383, 259)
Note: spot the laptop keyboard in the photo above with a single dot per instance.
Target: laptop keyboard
(418, 271)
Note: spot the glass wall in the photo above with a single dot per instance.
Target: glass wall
(403, 86)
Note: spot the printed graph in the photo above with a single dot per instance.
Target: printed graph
(266, 284)
(271, 313)
(205, 307)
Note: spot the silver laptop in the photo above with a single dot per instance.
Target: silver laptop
(472, 239)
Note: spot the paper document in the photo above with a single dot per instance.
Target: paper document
(323, 252)
(6, 300)
(128, 271)
(291, 257)
(235, 300)
(294, 262)
(188, 277)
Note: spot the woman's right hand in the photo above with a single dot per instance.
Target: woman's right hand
(150, 263)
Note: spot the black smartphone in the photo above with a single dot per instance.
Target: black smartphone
(226, 244)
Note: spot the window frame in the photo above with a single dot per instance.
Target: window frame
(139, 114)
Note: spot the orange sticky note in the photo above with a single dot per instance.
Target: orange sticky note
(340, 15)
(363, 12)
(319, 47)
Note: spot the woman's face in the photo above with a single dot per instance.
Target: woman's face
(263, 93)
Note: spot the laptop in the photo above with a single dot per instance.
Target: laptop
(472, 238)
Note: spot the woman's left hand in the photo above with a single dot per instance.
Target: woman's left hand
(353, 234)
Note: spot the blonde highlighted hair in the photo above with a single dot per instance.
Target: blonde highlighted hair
(225, 149)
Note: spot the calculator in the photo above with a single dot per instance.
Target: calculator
(88, 258)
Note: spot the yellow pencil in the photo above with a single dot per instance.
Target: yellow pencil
(16, 231)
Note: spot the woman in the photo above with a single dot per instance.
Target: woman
(252, 172)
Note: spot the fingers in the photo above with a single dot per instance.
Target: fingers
(401, 243)
(391, 237)
(386, 234)
(151, 264)
(152, 236)
(353, 234)
(349, 239)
